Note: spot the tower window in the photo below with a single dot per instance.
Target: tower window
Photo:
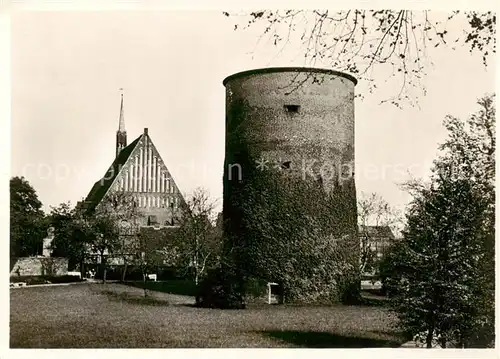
(286, 165)
(292, 108)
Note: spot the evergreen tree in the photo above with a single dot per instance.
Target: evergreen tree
(441, 276)
(27, 225)
(72, 233)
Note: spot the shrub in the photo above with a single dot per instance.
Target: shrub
(217, 290)
(256, 287)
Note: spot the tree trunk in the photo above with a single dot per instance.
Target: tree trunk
(124, 270)
(82, 265)
(82, 269)
(196, 275)
(430, 335)
(103, 268)
(196, 252)
(443, 342)
(461, 344)
(144, 283)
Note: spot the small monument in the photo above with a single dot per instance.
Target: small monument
(47, 242)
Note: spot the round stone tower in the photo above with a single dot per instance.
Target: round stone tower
(299, 121)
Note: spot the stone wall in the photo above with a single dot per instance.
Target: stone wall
(38, 266)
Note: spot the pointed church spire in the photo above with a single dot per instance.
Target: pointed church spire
(121, 125)
(121, 134)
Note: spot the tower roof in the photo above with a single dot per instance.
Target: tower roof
(121, 125)
(306, 70)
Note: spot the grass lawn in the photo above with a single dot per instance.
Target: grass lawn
(182, 287)
(116, 316)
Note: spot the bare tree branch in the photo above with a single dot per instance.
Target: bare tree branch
(360, 41)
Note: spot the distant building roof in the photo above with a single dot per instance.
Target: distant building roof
(377, 231)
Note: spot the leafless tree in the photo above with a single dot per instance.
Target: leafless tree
(373, 210)
(374, 44)
(198, 238)
(119, 210)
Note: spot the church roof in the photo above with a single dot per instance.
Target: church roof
(101, 187)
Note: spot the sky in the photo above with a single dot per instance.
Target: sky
(67, 69)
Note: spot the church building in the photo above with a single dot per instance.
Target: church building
(139, 171)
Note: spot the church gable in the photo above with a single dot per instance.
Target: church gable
(146, 177)
(138, 170)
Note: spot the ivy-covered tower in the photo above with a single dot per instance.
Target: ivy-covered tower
(295, 125)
